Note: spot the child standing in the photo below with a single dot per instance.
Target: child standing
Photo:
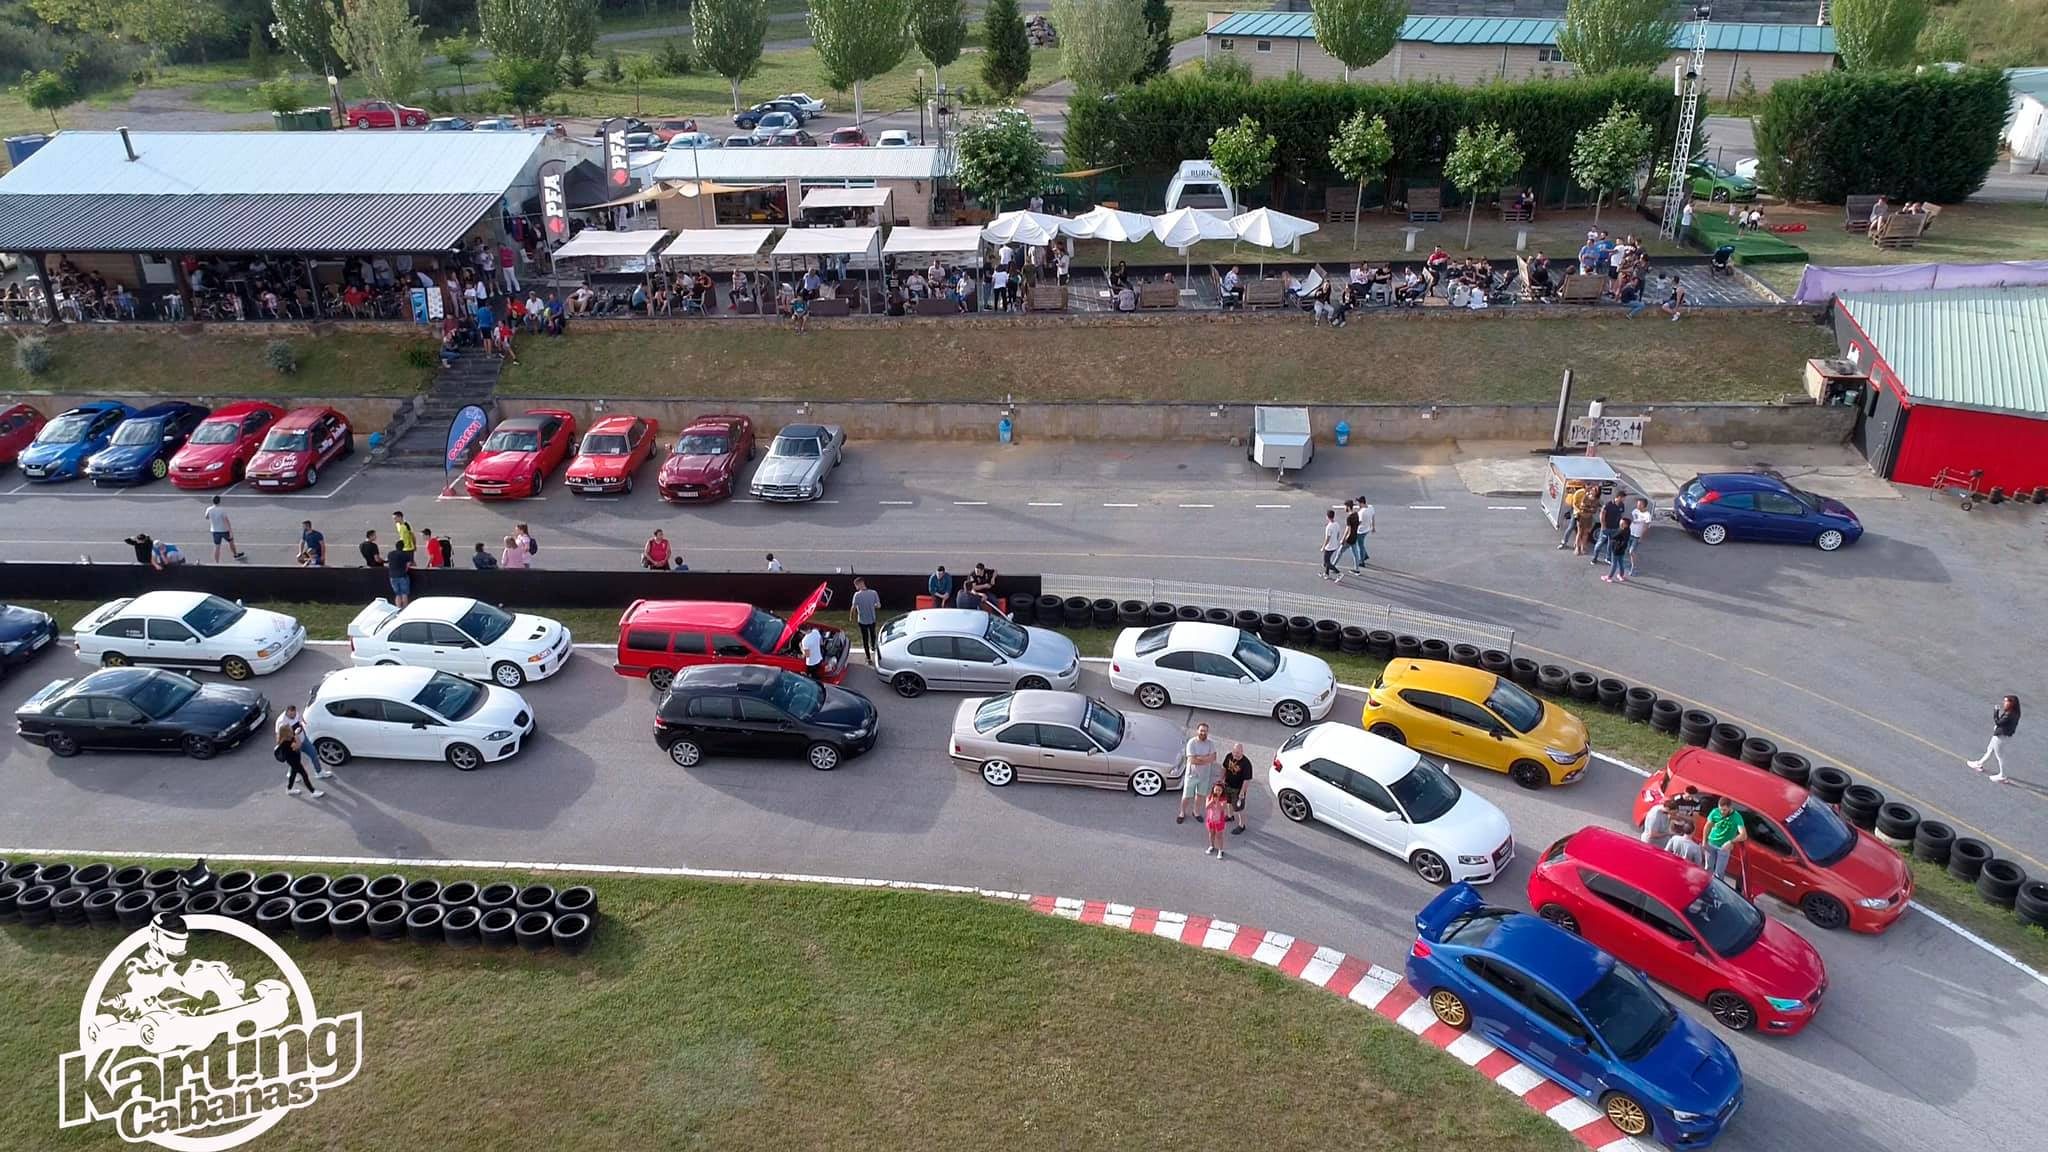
(1215, 814)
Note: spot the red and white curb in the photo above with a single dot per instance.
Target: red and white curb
(1367, 985)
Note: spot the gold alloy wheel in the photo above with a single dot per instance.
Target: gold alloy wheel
(1626, 1115)
(1449, 1008)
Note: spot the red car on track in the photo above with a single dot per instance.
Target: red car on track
(1682, 927)
(18, 428)
(658, 638)
(1799, 849)
(519, 454)
(384, 114)
(219, 450)
(613, 449)
(299, 446)
(707, 458)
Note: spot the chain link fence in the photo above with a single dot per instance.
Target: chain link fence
(1364, 614)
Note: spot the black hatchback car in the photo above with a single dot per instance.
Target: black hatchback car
(748, 710)
(23, 633)
(140, 710)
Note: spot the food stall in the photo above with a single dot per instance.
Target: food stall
(1565, 475)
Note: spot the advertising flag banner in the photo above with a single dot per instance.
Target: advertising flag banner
(554, 201)
(465, 433)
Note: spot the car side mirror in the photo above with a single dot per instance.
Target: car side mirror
(1392, 818)
(1000, 660)
(140, 720)
(420, 724)
(1500, 733)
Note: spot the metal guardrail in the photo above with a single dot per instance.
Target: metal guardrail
(1364, 614)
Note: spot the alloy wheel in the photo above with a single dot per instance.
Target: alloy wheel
(1732, 1011)
(199, 747)
(1449, 1009)
(685, 754)
(998, 772)
(1153, 696)
(1624, 1113)
(1829, 540)
(331, 752)
(60, 744)
(236, 668)
(1291, 714)
(465, 758)
(1146, 782)
(1560, 917)
(1032, 684)
(1824, 911)
(1294, 805)
(1388, 732)
(1431, 867)
(661, 678)
(824, 757)
(507, 674)
(908, 685)
(1714, 533)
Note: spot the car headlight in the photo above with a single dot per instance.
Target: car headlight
(1784, 1005)
(1472, 859)
(264, 653)
(500, 734)
(1688, 1117)
(1875, 902)
(10, 647)
(536, 658)
(216, 466)
(1557, 757)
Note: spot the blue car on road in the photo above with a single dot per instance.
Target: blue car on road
(66, 442)
(1575, 1014)
(1721, 506)
(144, 443)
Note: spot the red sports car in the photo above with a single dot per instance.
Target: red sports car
(219, 450)
(516, 459)
(1682, 927)
(298, 446)
(384, 114)
(18, 428)
(707, 458)
(613, 449)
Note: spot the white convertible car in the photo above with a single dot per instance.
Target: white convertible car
(460, 635)
(1216, 666)
(191, 631)
(415, 714)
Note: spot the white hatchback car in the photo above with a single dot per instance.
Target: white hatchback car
(191, 631)
(415, 714)
(460, 635)
(1217, 666)
(1393, 798)
(893, 138)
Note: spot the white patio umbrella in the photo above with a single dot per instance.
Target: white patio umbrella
(1182, 228)
(1031, 229)
(1110, 225)
(1269, 229)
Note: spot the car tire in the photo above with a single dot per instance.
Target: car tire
(273, 916)
(200, 747)
(661, 678)
(1153, 696)
(159, 468)
(464, 757)
(1731, 1011)
(1560, 916)
(1529, 774)
(1291, 713)
(114, 660)
(60, 744)
(1430, 867)
(506, 674)
(330, 752)
(998, 773)
(1033, 684)
(571, 932)
(309, 919)
(1147, 782)
(236, 668)
(686, 753)
(824, 757)
(1824, 911)
(1295, 806)
(1386, 731)
(460, 927)
(1625, 1113)
(495, 926)
(1449, 1009)
(423, 924)
(363, 122)
(1829, 540)
(534, 930)
(1714, 534)
(538, 482)
(908, 685)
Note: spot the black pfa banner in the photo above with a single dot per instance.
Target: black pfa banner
(554, 200)
(618, 170)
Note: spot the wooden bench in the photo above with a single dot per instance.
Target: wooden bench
(1340, 205)
(1856, 213)
(1158, 295)
(1899, 230)
(1046, 298)
(1583, 289)
(1425, 204)
(1512, 210)
(831, 306)
(1264, 293)
(938, 307)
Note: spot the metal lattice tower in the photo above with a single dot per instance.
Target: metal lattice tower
(1688, 115)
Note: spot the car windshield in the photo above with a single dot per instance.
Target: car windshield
(286, 440)
(513, 440)
(1511, 703)
(605, 445)
(1626, 1013)
(1426, 792)
(213, 615)
(66, 429)
(1255, 654)
(762, 631)
(798, 696)
(1008, 638)
(703, 444)
(1104, 724)
(162, 694)
(993, 712)
(484, 623)
(1475, 928)
(140, 432)
(1728, 923)
(217, 432)
(450, 697)
(1804, 497)
(795, 446)
(1820, 833)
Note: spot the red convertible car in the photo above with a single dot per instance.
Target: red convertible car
(298, 446)
(18, 428)
(516, 459)
(384, 114)
(707, 459)
(613, 449)
(218, 451)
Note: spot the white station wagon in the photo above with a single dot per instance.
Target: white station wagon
(1216, 666)
(460, 635)
(191, 631)
(414, 714)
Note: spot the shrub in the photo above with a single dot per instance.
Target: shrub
(672, 58)
(1230, 69)
(1929, 135)
(614, 71)
(32, 355)
(421, 356)
(281, 357)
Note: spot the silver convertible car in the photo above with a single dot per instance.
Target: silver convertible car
(797, 461)
(968, 650)
(1066, 738)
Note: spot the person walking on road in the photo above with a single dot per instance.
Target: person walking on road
(312, 546)
(1237, 781)
(1348, 546)
(1366, 523)
(1639, 519)
(1333, 538)
(2005, 724)
(1200, 774)
(867, 606)
(223, 531)
(290, 752)
(1215, 814)
(1724, 831)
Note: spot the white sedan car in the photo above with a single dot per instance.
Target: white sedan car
(1393, 798)
(190, 631)
(804, 101)
(415, 714)
(1216, 666)
(460, 635)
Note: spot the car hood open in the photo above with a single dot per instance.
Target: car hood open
(802, 616)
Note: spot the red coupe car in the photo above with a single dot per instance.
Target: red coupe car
(384, 114)
(613, 449)
(707, 459)
(516, 459)
(18, 428)
(1682, 927)
(219, 450)
(299, 446)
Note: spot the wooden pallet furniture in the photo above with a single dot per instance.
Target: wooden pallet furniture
(1583, 289)
(1856, 213)
(1425, 204)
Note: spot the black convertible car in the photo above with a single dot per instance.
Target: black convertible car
(23, 633)
(140, 710)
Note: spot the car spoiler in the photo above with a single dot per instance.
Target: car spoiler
(372, 618)
(100, 615)
(45, 692)
(1453, 904)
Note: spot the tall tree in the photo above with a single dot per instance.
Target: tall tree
(305, 28)
(1158, 22)
(529, 40)
(1360, 151)
(1357, 32)
(458, 52)
(1616, 35)
(727, 36)
(380, 39)
(1481, 160)
(1002, 160)
(1103, 43)
(1877, 33)
(1005, 53)
(859, 40)
(161, 26)
(939, 30)
(46, 91)
(639, 70)
(1243, 156)
(1606, 154)
(1942, 41)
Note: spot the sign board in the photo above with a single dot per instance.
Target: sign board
(465, 433)
(618, 169)
(554, 201)
(1608, 429)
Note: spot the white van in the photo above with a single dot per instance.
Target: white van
(1198, 186)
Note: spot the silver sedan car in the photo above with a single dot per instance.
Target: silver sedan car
(968, 650)
(797, 462)
(1066, 738)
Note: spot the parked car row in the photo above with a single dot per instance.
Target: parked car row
(110, 443)
(702, 465)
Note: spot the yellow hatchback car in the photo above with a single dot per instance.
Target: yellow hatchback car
(1476, 717)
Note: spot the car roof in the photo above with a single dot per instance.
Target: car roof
(1752, 481)
(1719, 775)
(162, 603)
(521, 423)
(113, 681)
(1355, 748)
(964, 621)
(619, 423)
(241, 408)
(1670, 878)
(301, 417)
(167, 408)
(726, 614)
(728, 424)
(1549, 953)
(1196, 636)
(378, 679)
(803, 431)
(1048, 704)
(446, 609)
(1441, 676)
(739, 677)
(94, 406)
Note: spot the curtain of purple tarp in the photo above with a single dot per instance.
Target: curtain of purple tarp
(1817, 284)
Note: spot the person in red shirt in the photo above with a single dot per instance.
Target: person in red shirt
(656, 554)
(354, 297)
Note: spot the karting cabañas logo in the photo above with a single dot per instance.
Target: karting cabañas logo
(179, 1051)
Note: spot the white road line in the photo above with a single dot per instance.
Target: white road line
(18, 489)
(1507, 507)
(1198, 505)
(899, 503)
(1272, 505)
(1045, 504)
(1425, 507)
(824, 501)
(969, 503)
(1108, 505)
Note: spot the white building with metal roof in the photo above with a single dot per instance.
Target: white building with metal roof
(761, 185)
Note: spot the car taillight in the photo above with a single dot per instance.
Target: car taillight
(1115, 667)
(659, 724)
(1708, 497)
(1420, 950)
(351, 644)
(1276, 764)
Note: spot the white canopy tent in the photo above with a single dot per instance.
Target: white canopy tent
(728, 242)
(946, 241)
(804, 244)
(1269, 229)
(844, 198)
(1031, 229)
(611, 245)
(1183, 228)
(1109, 225)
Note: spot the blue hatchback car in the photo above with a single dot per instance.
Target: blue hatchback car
(144, 443)
(1720, 506)
(62, 447)
(1576, 1015)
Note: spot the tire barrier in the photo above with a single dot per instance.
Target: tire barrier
(1665, 716)
(67, 906)
(459, 894)
(237, 881)
(205, 903)
(1696, 727)
(56, 875)
(1407, 647)
(168, 904)
(1189, 614)
(1158, 612)
(459, 927)
(309, 918)
(10, 897)
(1222, 616)
(1610, 693)
(349, 920)
(1047, 609)
(1859, 805)
(2030, 903)
(535, 898)
(1726, 739)
(1757, 752)
(1102, 612)
(162, 880)
(499, 895)
(350, 887)
(23, 871)
(1434, 649)
(1523, 670)
(1380, 642)
(581, 899)
(99, 908)
(1246, 619)
(311, 886)
(1897, 823)
(131, 911)
(1637, 702)
(126, 878)
(274, 917)
(1024, 610)
(1329, 635)
(34, 905)
(1827, 782)
(92, 876)
(1583, 686)
(1074, 611)
(1554, 679)
(1792, 766)
(422, 891)
(271, 884)
(1301, 630)
(1273, 628)
(389, 886)
(572, 932)
(387, 920)
(1466, 654)
(1496, 661)
(423, 924)
(534, 930)
(1998, 882)
(496, 927)
(1353, 639)
(1966, 858)
(240, 906)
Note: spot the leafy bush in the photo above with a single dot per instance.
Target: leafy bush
(1225, 69)
(672, 58)
(421, 356)
(614, 71)
(32, 355)
(1929, 135)
(280, 357)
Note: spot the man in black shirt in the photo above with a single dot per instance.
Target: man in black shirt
(372, 556)
(1237, 781)
(1613, 519)
(398, 562)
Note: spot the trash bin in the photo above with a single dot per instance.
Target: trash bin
(1343, 433)
(1005, 430)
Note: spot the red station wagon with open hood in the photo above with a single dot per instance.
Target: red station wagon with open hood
(613, 449)
(658, 638)
(219, 450)
(706, 462)
(298, 447)
(519, 454)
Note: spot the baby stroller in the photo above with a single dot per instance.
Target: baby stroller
(1723, 262)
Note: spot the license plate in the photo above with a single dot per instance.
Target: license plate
(270, 483)
(31, 471)
(687, 495)
(40, 641)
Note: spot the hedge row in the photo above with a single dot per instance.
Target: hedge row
(1930, 135)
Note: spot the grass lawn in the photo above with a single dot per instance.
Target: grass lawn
(337, 364)
(1498, 358)
(1962, 234)
(741, 1016)
(1934, 887)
